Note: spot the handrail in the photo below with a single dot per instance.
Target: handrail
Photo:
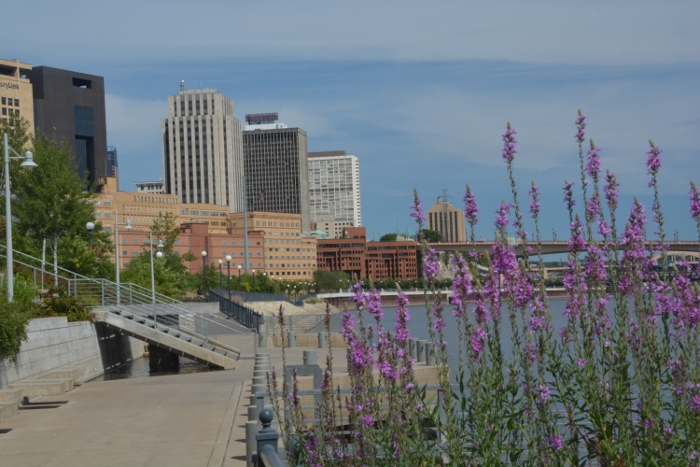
(268, 457)
(132, 300)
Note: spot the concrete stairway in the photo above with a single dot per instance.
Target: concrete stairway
(169, 337)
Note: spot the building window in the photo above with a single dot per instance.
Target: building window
(82, 83)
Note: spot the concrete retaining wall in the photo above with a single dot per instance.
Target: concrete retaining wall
(54, 342)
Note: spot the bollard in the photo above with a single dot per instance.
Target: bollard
(420, 351)
(262, 338)
(257, 380)
(258, 387)
(251, 444)
(429, 353)
(292, 339)
(412, 348)
(253, 413)
(322, 339)
(267, 437)
(309, 357)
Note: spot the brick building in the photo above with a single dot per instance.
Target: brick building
(379, 260)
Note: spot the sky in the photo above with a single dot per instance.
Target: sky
(420, 92)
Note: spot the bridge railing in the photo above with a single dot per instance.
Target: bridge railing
(241, 313)
(127, 299)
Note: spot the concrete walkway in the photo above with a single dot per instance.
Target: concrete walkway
(180, 420)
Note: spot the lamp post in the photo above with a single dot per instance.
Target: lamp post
(253, 280)
(239, 271)
(28, 162)
(90, 226)
(228, 272)
(127, 225)
(221, 263)
(264, 281)
(204, 274)
(159, 254)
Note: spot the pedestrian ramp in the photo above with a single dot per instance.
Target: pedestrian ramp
(186, 335)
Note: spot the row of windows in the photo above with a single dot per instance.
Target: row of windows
(6, 111)
(9, 100)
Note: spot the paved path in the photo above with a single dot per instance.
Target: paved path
(187, 420)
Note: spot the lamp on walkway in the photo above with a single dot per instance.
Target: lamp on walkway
(253, 280)
(221, 263)
(127, 226)
(228, 272)
(204, 274)
(28, 162)
(159, 254)
(90, 226)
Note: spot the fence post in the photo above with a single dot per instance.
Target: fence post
(267, 436)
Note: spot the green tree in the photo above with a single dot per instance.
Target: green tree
(15, 315)
(52, 201)
(390, 237)
(432, 236)
(326, 280)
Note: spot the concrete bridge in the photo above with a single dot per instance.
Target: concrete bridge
(546, 248)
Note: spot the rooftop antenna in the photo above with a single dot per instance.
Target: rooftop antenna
(182, 85)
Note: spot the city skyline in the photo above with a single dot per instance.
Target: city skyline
(420, 94)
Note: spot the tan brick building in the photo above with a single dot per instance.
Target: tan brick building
(16, 95)
(448, 220)
(289, 255)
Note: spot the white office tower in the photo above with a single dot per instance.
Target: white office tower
(334, 191)
(203, 149)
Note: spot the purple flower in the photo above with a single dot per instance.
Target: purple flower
(580, 126)
(611, 192)
(461, 285)
(535, 201)
(653, 161)
(359, 297)
(581, 362)
(694, 202)
(509, 145)
(402, 319)
(431, 266)
(417, 210)
(374, 305)
(569, 195)
(576, 241)
(593, 166)
(593, 208)
(477, 342)
(543, 393)
(471, 209)
(694, 403)
(556, 442)
(502, 218)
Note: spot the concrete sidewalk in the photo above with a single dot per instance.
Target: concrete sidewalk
(180, 420)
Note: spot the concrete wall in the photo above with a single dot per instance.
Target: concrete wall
(54, 342)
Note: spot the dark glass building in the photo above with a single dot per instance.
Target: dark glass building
(70, 106)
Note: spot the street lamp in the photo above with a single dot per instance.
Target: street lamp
(228, 272)
(159, 254)
(204, 274)
(239, 272)
(28, 162)
(90, 226)
(127, 226)
(221, 263)
(253, 280)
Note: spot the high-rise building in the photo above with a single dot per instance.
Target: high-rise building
(16, 91)
(112, 163)
(334, 191)
(202, 149)
(70, 106)
(447, 220)
(276, 168)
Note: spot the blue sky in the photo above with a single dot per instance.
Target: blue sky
(419, 91)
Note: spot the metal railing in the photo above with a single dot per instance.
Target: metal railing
(241, 313)
(131, 301)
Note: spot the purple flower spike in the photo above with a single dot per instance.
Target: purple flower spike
(471, 209)
(569, 195)
(653, 161)
(694, 202)
(580, 126)
(431, 267)
(417, 210)
(611, 192)
(509, 145)
(502, 217)
(556, 442)
(535, 201)
(593, 166)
